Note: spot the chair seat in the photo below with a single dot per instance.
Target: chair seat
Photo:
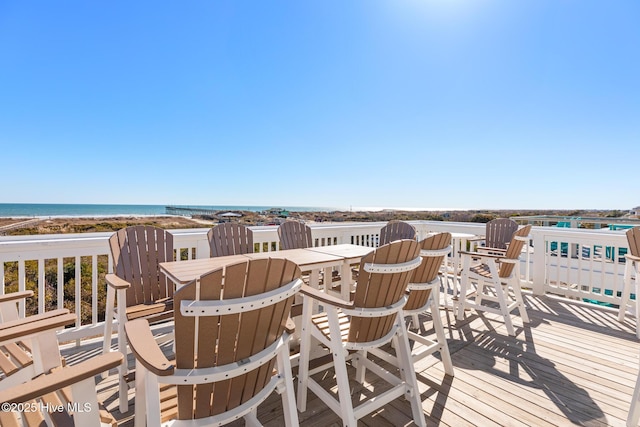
(160, 310)
(321, 321)
(13, 357)
(481, 270)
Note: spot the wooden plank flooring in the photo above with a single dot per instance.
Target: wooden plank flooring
(573, 364)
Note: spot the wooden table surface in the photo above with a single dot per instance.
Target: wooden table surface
(182, 272)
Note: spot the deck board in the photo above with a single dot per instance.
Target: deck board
(574, 364)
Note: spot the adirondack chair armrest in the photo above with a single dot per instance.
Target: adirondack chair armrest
(632, 257)
(477, 239)
(31, 325)
(476, 255)
(324, 297)
(116, 282)
(145, 348)
(488, 249)
(61, 378)
(14, 296)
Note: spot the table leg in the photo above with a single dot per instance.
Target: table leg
(345, 285)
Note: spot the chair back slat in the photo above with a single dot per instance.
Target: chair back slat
(209, 341)
(396, 230)
(513, 251)
(230, 239)
(381, 290)
(499, 232)
(633, 239)
(137, 252)
(295, 235)
(428, 269)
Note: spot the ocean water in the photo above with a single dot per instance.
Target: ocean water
(40, 210)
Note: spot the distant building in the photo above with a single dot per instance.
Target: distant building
(635, 211)
(282, 213)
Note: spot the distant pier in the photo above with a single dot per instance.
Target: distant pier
(189, 211)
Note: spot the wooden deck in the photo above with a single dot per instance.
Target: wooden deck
(574, 364)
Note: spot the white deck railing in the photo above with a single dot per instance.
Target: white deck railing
(67, 270)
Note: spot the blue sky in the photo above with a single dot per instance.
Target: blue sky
(467, 104)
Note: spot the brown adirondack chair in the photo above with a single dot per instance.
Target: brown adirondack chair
(51, 384)
(295, 235)
(396, 230)
(350, 329)
(225, 364)
(500, 273)
(424, 295)
(498, 234)
(137, 285)
(230, 239)
(631, 269)
(28, 346)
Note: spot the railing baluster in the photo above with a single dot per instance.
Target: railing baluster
(78, 293)
(94, 289)
(22, 285)
(41, 288)
(60, 284)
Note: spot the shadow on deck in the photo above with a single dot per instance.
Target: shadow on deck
(573, 364)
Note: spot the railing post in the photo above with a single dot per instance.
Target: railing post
(539, 268)
(202, 248)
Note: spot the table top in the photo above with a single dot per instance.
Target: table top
(350, 252)
(182, 272)
(462, 235)
(305, 258)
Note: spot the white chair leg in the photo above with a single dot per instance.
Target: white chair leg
(344, 393)
(152, 390)
(464, 286)
(84, 393)
(108, 323)
(123, 370)
(415, 321)
(340, 366)
(251, 419)
(288, 399)
(140, 401)
(360, 368)
(517, 292)
(405, 363)
(504, 304)
(305, 348)
(440, 336)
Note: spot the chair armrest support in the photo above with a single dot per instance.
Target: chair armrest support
(324, 298)
(14, 296)
(61, 378)
(290, 326)
(145, 348)
(116, 282)
(56, 319)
